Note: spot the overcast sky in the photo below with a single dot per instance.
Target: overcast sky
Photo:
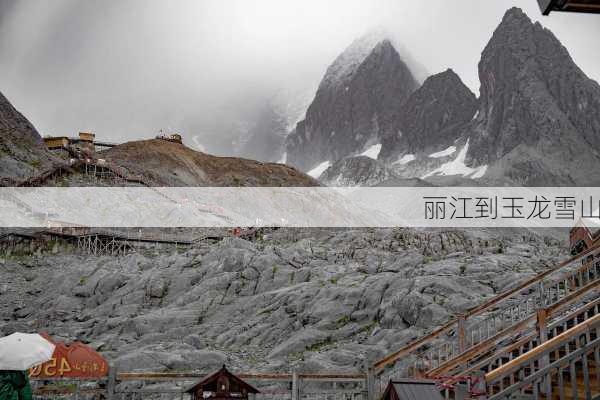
(127, 68)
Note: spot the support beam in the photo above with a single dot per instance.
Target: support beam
(462, 319)
(295, 386)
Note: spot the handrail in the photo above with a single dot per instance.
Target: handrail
(490, 342)
(556, 365)
(483, 346)
(379, 365)
(526, 358)
(346, 377)
(553, 325)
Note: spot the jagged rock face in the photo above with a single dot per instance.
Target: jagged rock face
(433, 116)
(22, 150)
(356, 171)
(539, 116)
(354, 105)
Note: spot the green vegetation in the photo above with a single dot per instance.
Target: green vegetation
(319, 345)
(343, 321)
(368, 328)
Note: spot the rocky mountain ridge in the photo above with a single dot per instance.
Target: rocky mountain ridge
(23, 153)
(536, 122)
(539, 115)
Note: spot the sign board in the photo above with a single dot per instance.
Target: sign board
(73, 361)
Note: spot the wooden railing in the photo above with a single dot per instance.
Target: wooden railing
(554, 307)
(275, 386)
(542, 371)
(527, 343)
(457, 336)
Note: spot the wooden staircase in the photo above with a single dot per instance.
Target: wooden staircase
(565, 367)
(515, 325)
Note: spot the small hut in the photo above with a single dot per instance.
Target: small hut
(222, 385)
(412, 389)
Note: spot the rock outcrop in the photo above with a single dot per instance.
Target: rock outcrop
(433, 117)
(23, 153)
(356, 171)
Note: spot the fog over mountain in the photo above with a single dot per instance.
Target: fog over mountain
(125, 69)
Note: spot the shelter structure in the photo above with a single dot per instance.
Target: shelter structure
(584, 6)
(222, 385)
(412, 389)
(82, 146)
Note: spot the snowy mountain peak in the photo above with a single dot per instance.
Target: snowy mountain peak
(355, 105)
(346, 64)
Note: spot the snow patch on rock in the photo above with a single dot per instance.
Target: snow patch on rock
(317, 171)
(444, 153)
(373, 151)
(458, 167)
(405, 159)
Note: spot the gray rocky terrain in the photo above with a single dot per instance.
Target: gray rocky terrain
(315, 299)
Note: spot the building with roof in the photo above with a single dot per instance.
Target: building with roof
(82, 146)
(412, 389)
(222, 385)
(583, 6)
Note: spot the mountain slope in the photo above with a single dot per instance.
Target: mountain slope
(356, 171)
(428, 131)
(354, 105)
(433, 116)
(23, 153)
(164, 163)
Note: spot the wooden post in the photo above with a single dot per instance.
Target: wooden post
(461, 333)
(295, 386)
(542, 328)
(370, 380)
(77, 389)
(542, 324)
(112, 382)
(542, 295)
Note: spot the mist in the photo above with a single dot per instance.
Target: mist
(125, 69)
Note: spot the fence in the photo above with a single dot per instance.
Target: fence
(134, 386)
